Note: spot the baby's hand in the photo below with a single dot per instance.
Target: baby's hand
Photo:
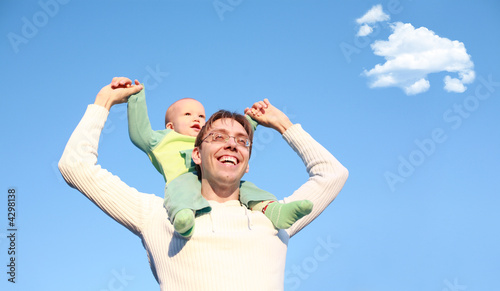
(117, 92)
(122, 82)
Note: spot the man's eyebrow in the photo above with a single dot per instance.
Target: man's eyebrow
(223, 130)
(219, 129)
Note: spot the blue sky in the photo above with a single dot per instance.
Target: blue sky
(420, 208)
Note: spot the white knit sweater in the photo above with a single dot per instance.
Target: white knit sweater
(231, 245)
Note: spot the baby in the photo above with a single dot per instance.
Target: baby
(170, 152)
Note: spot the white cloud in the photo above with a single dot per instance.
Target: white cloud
(453, 85)
(374, 15)
(467, 76)
(419, 86)
(365, 30)
(411, 54)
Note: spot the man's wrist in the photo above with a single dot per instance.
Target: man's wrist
(103, 102)
(283, 126)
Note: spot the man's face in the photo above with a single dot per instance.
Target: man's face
(223, 162)
(188, 117)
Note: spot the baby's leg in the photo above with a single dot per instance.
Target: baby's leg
(184, 222)
(182, 201)
(282, 215)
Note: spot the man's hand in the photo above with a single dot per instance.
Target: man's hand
(117, 92)
(269, 116)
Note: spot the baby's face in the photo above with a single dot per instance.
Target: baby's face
(188, 117)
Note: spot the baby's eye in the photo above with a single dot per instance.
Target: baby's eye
(187, 114)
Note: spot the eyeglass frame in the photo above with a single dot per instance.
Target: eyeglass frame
(227, 137)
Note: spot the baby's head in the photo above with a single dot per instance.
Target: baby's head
(186, 116)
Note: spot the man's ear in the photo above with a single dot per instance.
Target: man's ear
(196, 156)
(248, 168)
(169, 125)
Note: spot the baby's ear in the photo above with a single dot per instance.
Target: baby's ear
(169, 125)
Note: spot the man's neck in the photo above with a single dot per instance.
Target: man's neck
(219, 192)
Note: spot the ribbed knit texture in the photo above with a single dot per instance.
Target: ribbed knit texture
(230, 246)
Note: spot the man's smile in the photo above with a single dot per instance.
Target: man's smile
(228, 160)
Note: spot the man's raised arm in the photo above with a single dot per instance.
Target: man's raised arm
(78, 164)
(327, 176)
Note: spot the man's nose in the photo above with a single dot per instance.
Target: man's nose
(231, 142)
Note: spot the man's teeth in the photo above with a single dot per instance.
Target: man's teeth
(228, 160)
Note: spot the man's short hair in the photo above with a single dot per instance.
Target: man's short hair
(224, 114)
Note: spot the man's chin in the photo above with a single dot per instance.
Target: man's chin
(230, 175)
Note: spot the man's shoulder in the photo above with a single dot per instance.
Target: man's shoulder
(153, 200)
(154, 206)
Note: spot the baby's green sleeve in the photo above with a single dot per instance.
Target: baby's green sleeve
(252, 122)
(139, 127)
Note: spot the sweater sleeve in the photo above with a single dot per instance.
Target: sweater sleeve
(79, 168)
(327, 176)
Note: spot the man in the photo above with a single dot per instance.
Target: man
(232, 248)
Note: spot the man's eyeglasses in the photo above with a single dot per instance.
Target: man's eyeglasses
(219, 137)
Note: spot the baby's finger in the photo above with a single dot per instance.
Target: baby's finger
(125, 82)
(118, 82)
